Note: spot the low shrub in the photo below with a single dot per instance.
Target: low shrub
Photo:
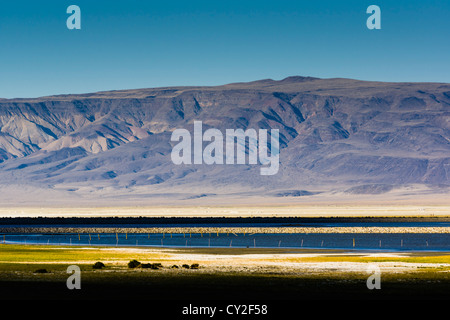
(154, 266)
(194, 266)
(134, 264)
(98, 265)
(41, 271)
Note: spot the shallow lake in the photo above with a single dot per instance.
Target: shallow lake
(384, 241)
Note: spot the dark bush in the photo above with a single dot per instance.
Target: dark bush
(98, 265)
(154, 266)
(174, 266)
(134, 264)
(41, 271)
(186, 266)
(194, 266)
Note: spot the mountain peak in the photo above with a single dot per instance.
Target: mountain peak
(293, 79)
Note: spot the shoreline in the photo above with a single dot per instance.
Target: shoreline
(214, 256)
(242, 250)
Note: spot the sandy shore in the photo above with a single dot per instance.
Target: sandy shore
(293, 263)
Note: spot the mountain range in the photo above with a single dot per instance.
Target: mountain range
(338, 137)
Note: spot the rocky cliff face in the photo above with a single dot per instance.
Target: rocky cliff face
(336, 135)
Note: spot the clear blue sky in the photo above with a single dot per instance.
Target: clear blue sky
(138, 44)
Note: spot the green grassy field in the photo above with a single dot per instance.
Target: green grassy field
(22, 275)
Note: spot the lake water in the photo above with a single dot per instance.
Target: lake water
(366, 241)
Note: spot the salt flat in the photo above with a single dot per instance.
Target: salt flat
(286, 210)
